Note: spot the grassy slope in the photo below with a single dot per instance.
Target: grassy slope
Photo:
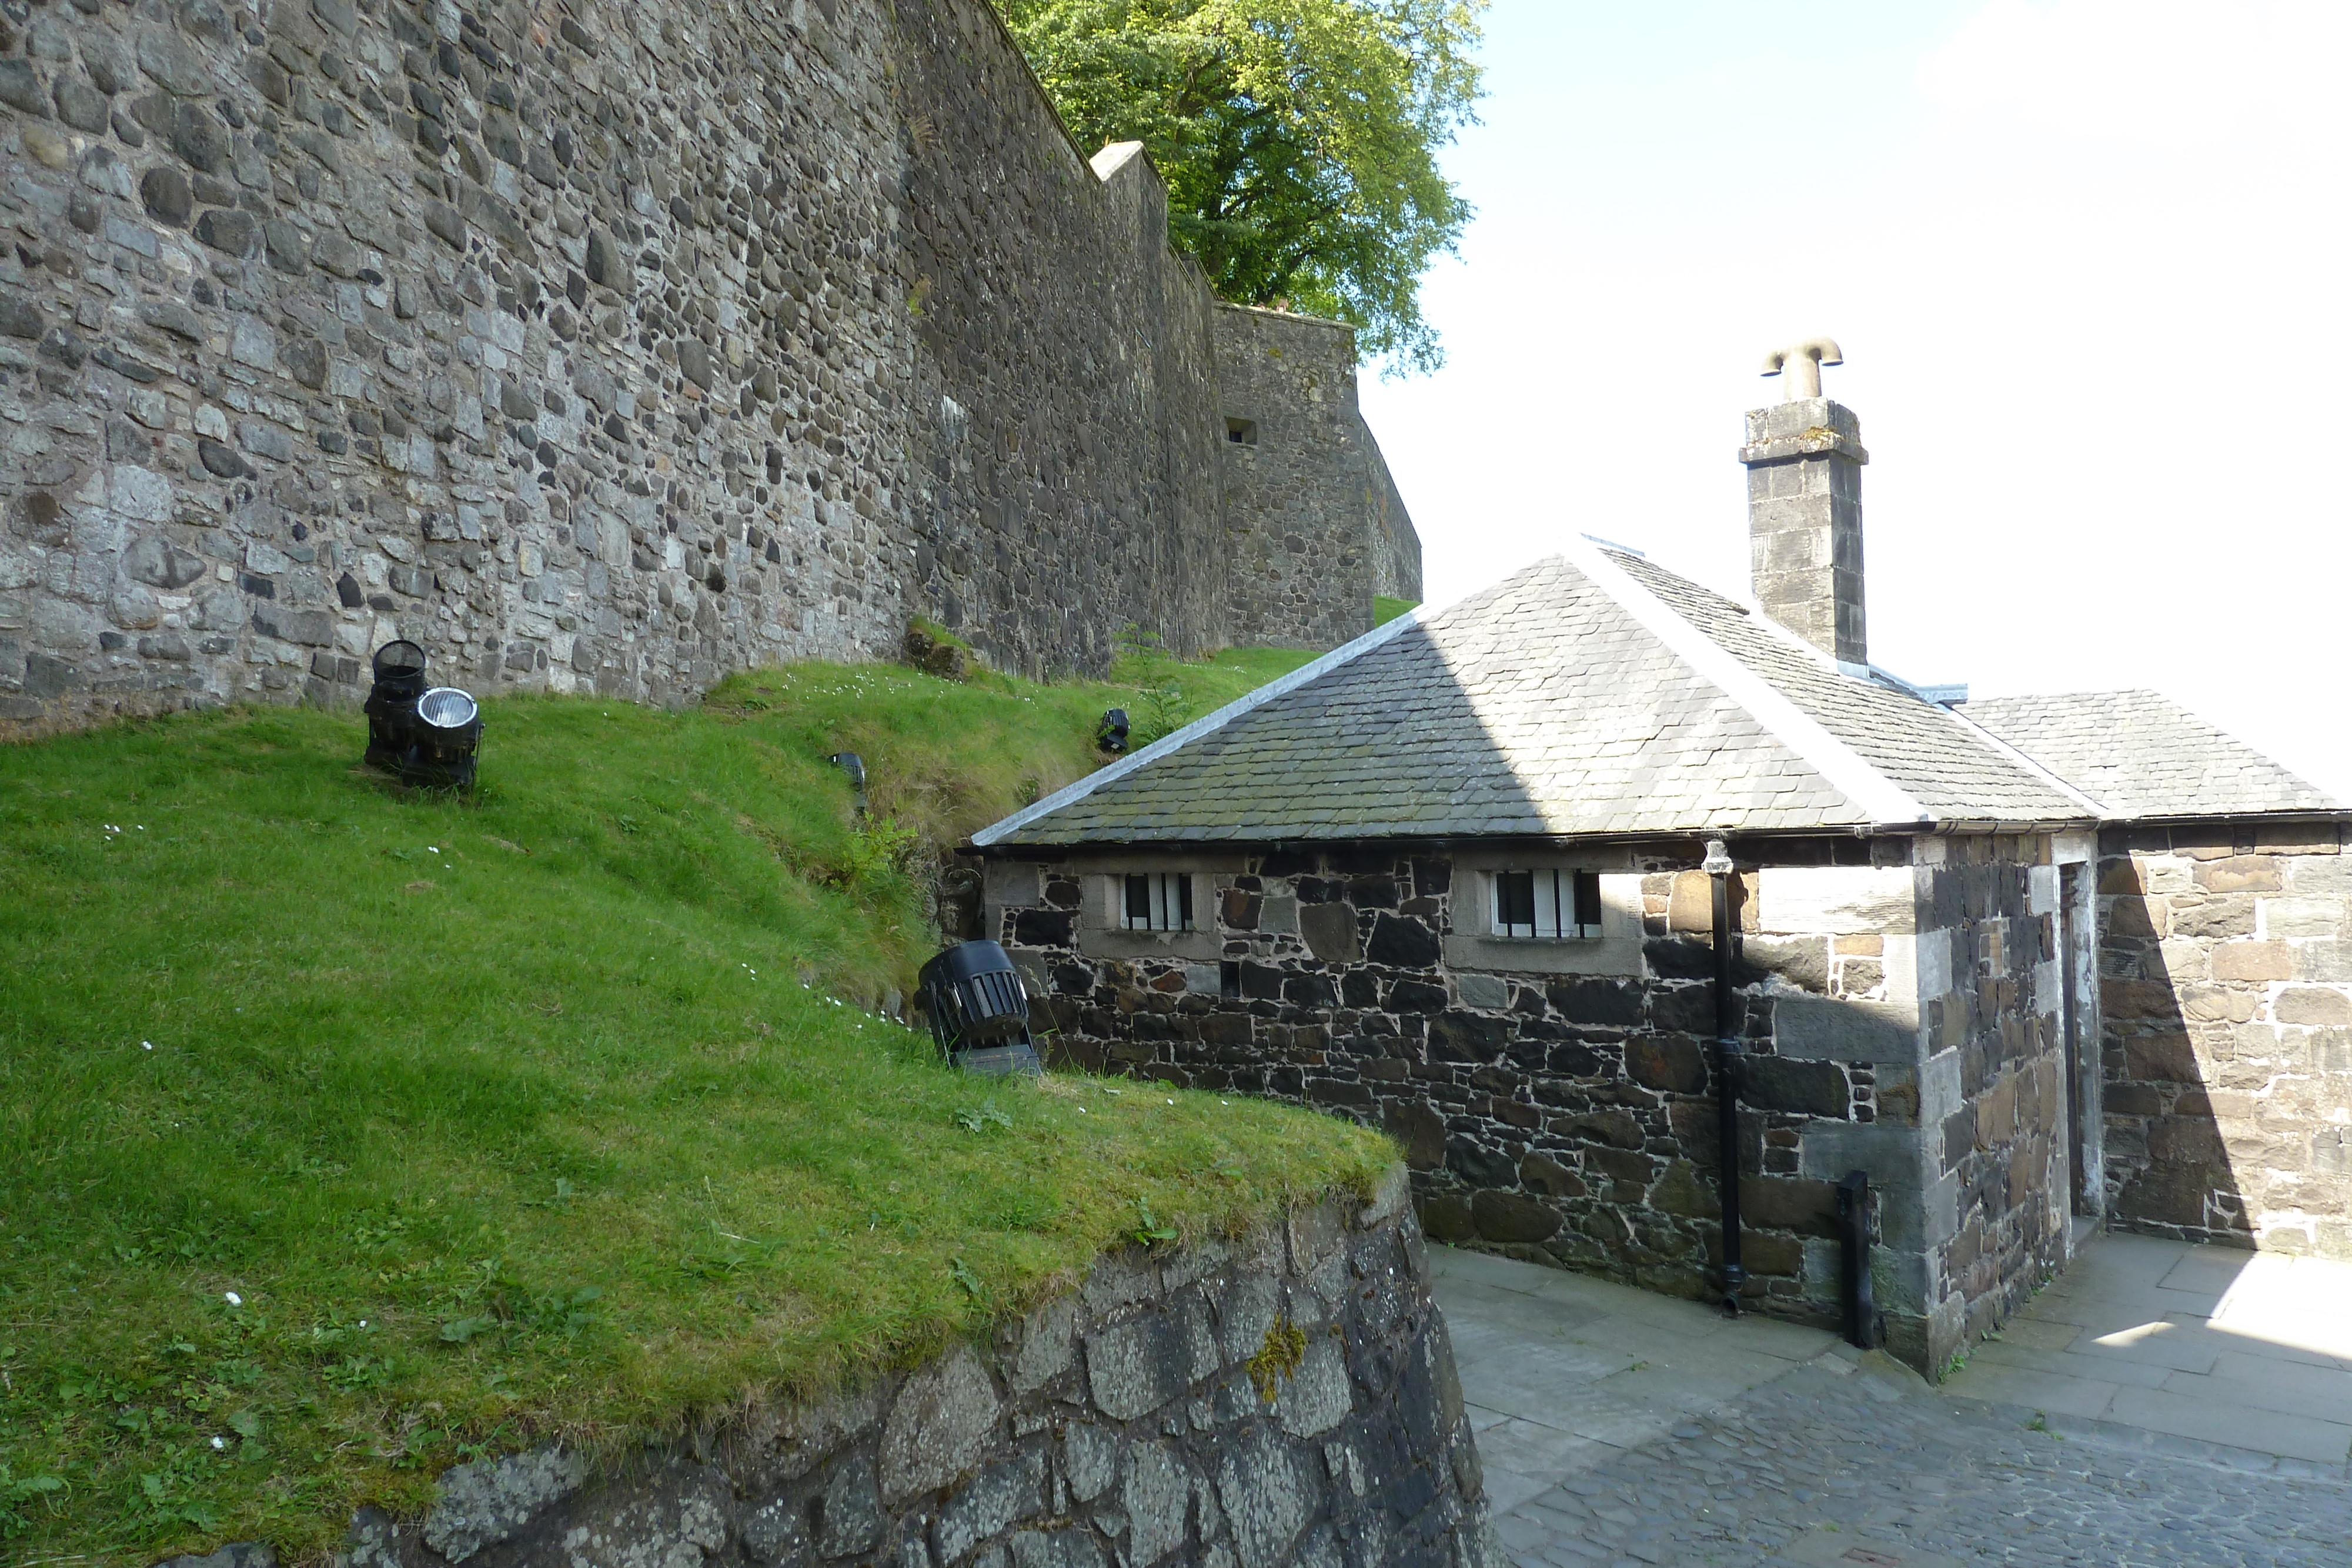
(1385, 609)
(514, 1116)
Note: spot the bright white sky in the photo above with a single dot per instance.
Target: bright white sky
(2088, 263)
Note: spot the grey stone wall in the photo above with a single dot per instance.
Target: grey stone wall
(1312, 526)
(1900, 998)
(1289, 1398)
(2226, 956)
(1989, 1096)
(602, 346)
(1568, 1115)
(1396, 559)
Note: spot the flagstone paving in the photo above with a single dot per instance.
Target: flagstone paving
(1619, 1428)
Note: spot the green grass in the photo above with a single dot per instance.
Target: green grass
(1385, 609)
(347, 1133)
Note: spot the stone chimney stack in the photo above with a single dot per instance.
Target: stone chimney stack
(1804, 461)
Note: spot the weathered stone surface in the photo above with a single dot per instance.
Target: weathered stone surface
(1139, 1365)
(480, 1505)
(1269, 1491)
(721, 329)
(943, 1422)
(1217, 1479)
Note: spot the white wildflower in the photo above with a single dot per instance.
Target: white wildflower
(232, 1298)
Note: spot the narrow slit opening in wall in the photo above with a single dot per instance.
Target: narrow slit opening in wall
(1242, 431)
(1557, 906)
(1229, 981)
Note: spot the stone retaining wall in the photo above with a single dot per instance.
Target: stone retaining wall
(591, 345)
(1289, 1399)
(2226, 952)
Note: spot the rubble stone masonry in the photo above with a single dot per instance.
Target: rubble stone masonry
(1286, 1399)
(2226, 957)
(591, 346)
(1556, 1101)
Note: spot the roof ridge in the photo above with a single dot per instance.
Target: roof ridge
(1853, 776)
(1281, 685)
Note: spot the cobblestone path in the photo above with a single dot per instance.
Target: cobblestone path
(1829, 1465)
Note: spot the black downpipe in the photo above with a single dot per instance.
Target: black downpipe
(1728, 1053)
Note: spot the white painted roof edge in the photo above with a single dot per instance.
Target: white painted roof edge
(1280, 686)
(1887, 802)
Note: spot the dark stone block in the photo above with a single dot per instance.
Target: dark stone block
(1596, 1001)
(1419, 1127)
(1310, 991)
(1671, 1062)
(230, 231)
(1044, 927)
(1467, 1037)
(1361, 989)
(1543, 1173)
(1480, 1165)
(1806, 1088)
(1687, 1010)
(1679, 958)
(1261, 982)
(1330, 933)
(1777, 1203)
(1403, 942)
(1513, 1216)
(1446, 1217)
(1226, 1029)
(1417, 997)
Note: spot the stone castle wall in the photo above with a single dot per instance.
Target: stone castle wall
(2226, 956)
(1308, 547)
(1562, 1105)
(589, 345)
(1286, 1399)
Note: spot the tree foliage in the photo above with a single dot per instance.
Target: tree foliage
(1298, 139)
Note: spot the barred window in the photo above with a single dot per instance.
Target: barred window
(1157, 901)
(1557, 904)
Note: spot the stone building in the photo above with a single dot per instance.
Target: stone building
(1447, 880)
(600, 346)
(2222, 1108)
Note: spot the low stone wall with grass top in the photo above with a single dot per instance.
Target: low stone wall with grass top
(1287, 1398)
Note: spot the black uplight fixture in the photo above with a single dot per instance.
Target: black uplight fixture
(980, 1010)
(423, 733)
(850, 763)
(1111, 733)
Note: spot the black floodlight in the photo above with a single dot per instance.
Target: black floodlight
(427, 735)
(980, 1010)
(849, 762)
(1111, 733)
(399, 682)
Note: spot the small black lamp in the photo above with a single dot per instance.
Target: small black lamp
(849, 762)
(425, 735)
(1111, 733)
(980, 1010)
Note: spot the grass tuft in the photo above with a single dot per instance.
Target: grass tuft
(348, 1131)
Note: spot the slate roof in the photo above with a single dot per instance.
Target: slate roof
(1594, 695)
(2138, 754)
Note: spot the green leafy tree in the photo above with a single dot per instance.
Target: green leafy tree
(1298, 139)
